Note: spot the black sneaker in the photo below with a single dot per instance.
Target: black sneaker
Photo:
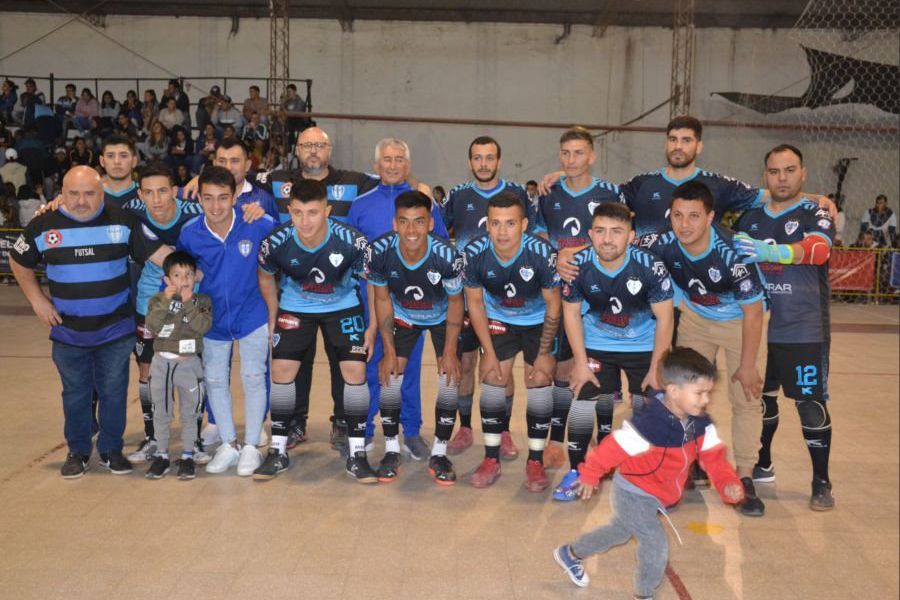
(115, 462)
(187, 469)
(752, 506)
(389, 467)
(74, 467)
(359, 469)
(821, 498)
(763, 474)
(339, 435)
(274, 463)
(296, 435)
(158, 468)
(441, 469)
(699, 476)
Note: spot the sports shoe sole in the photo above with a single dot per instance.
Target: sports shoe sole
(267, 476)
(440, 481)
(119, 472)
(187, 477)
(488, 484)
(579, 582)
(160, 476)
(764, 479)
(372, 479)
(532, 486)
(820, 508)
(77, 476)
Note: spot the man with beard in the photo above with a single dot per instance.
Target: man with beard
(373, 213)
(465, 212)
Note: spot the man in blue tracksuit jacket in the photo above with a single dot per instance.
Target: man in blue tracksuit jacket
(372, 214)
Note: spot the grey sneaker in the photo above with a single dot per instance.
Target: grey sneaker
(763, 475)
(416, 448)
(145, 451)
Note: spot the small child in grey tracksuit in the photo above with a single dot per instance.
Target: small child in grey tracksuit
(178, 318)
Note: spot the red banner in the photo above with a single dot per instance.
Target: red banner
(851, 270)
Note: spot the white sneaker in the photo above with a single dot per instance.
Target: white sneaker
(210, 435)
(226, 457)
(250, 460)
(146, 451)
(263, 438)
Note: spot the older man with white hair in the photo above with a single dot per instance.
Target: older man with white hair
(372, 213)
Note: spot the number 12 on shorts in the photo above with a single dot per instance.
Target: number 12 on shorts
(807, 377)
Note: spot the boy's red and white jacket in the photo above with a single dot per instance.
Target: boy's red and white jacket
(654, 451)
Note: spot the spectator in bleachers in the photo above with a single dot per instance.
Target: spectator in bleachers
(255, 130)
(226, 114)
(881, 221)
(229, 133)
(23, 112)
(182, 176)
(256, 104)
(32, 152)
(182, 102)
(181, 148)
(6, 141)
(94, 135)
(29, 201)
(65, 106)
(171, 116)
(866, 240)
(293, 102)
(156, 147)
(13, 171)
(54, 169)
(206, 105)
(439, 194)
(206, 147)
(81, 154)
(86, 108)
(132, 107)
(8, 99)
(125, 126)
(149, 111)
(109, 112)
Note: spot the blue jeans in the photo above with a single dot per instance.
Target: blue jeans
(82, 370)
(254, 350)
(410, 391)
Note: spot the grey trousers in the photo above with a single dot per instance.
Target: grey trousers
(634, 515)
(166, 376)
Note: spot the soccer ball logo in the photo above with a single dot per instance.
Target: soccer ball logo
(53, 238)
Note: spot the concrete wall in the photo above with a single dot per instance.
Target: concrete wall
(484, 71)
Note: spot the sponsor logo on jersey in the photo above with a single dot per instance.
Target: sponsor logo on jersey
(824, 223)
(144, 333)
(21, 246)
(264, 249)
(701, 289)
(659, 269)
(666, 284)
(594, 364)
(779, 288)
(244, 247)
(746, 285)
(402, 323)
(496, 327)
(573, 224)
(823, 212)
(115, 233)
(791, 226)
(510, 289)
(317, 285)
(491, 275)
(648, 240)
(592, 206)
(335, 258)
(433, 276)
(482, 223)
(417, 292)
(470, 207)
(148, 233)
(53, 238)
(715, 275)
(337, 192)
(615, 305)
(317, 274)
(739, 270)
(288, 322)
(634, 285)
(754, 227)
(358, 350)
(656, 196)
(526, 273)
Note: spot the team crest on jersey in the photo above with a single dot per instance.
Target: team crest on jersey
(53, 238)
(715, 275)
(244, 247)
(791, 226)
(337, 193)
(115, 233)
(336, 258)
(434, 277)
(634, 285)
(526, 273)
(824, 223)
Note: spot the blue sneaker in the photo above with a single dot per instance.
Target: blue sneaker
(573, 566)
(565, 491)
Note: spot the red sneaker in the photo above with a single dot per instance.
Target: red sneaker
(508, 450)
(461, 441)
(535, 478)
(554, 455)
(486, 474)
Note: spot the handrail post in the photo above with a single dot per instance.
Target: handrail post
(52, 94)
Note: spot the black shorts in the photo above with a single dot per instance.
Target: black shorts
(406, 336)
(143, 344)
(468, 340)
(508, 340)
(608, 367)
(801, 370)
(563, 349)
(343, 330)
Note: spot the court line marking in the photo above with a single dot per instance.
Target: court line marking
(677, 584)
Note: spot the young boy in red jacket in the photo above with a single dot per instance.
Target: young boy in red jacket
(652, 454)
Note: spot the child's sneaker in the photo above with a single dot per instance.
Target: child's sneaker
(508, 449)
(821, 498)
(201, 456)
(226, 456)
(115, 462)
(572, 565)
(763, 475)
(565, 491)
(389, 467)
(74, 467)
(358, 468)
(146, 450)
(187, 469)
(461, 441)
(296, 435)
(275, 463)
(416, 447)
(249, 461)
(535, 476)
(554, 455)
(158, 468)
(487, 473)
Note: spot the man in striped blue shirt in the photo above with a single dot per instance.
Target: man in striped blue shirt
(86, 245)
